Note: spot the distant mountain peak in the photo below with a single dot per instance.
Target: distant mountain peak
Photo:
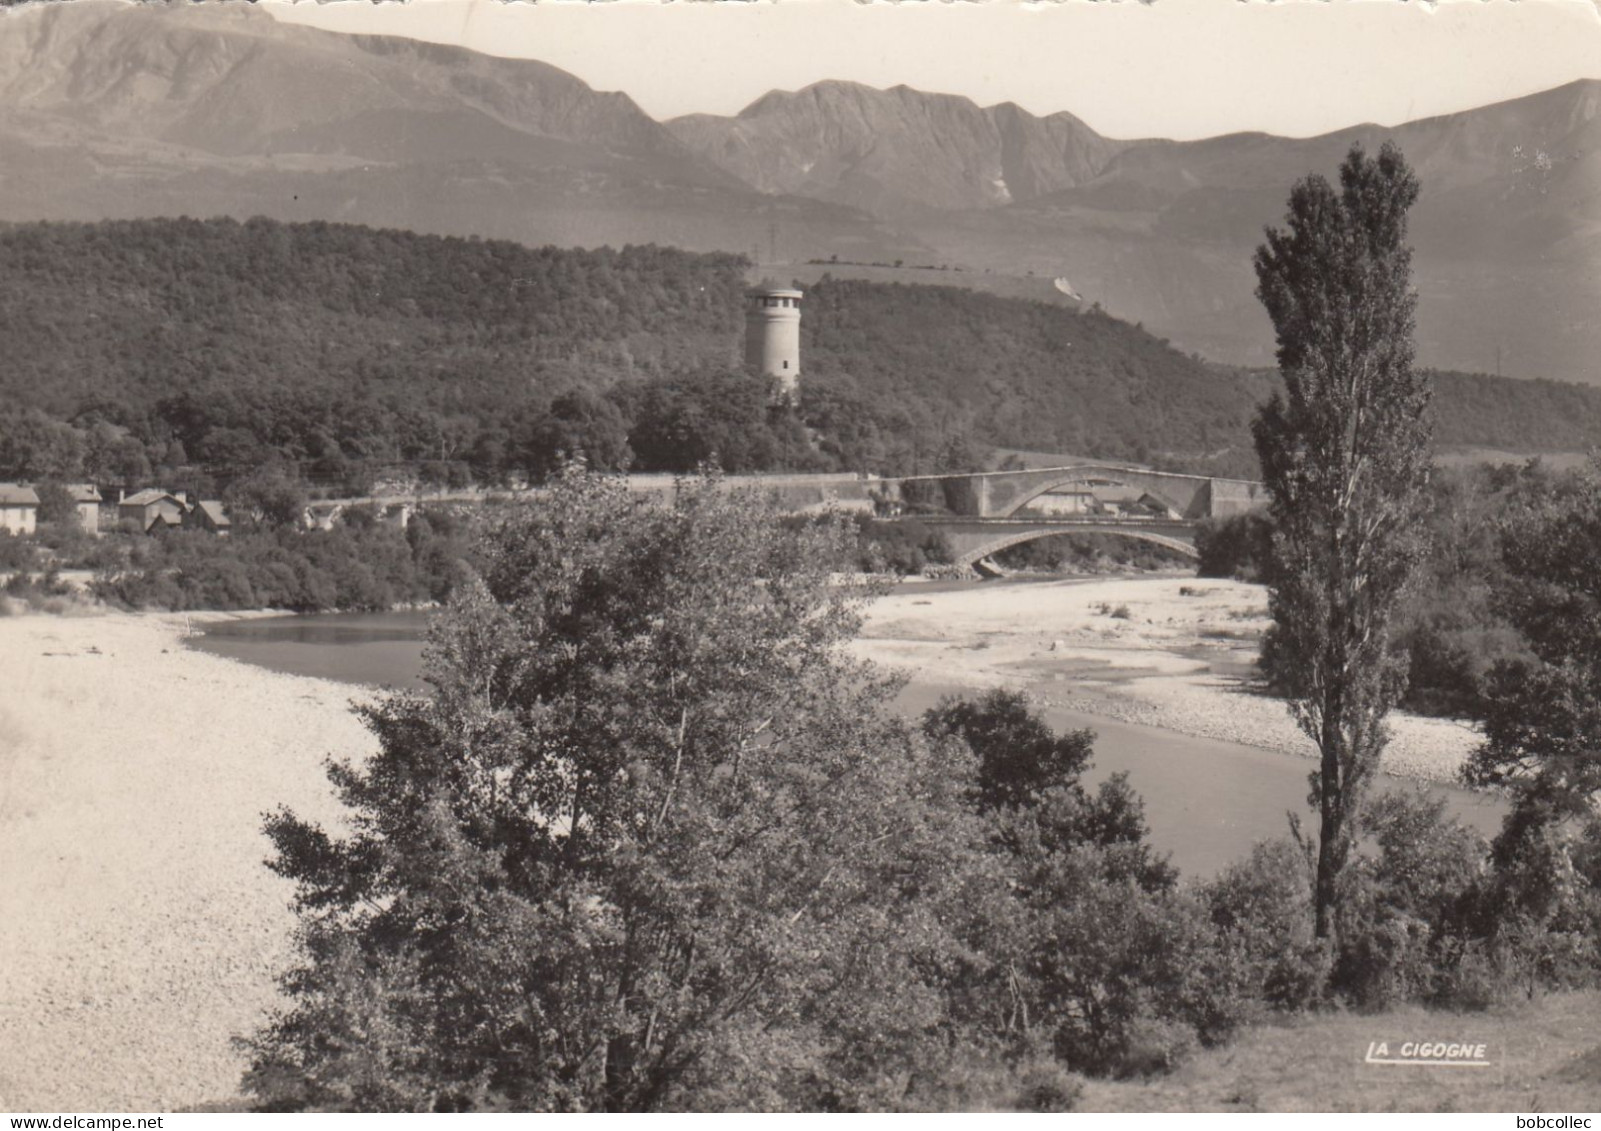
(899, 150)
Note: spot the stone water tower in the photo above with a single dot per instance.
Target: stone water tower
(772, 335)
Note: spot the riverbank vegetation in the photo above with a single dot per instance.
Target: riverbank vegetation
(1089, 554)
(367, 562)
(678, 852)
(1459, 621)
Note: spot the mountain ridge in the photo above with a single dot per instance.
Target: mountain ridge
(885, 149)
(112, 110)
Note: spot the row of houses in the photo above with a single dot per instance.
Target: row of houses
(1101, 497)
(148, 510)
(19, 506)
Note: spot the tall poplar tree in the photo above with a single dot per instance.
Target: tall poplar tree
(1345, 454)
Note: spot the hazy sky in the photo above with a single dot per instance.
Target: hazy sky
(1174, 68)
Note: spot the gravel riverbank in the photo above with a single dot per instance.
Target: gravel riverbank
(1170, 652)
(139, 931)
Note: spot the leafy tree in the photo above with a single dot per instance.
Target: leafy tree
(653, 840)
(55, 503)
(112, 455)
(1451, 630)
(579, 424)
(396, 347)
(1019, 754)
(1345, 454)
(1237, 546)
(1030, 775)
(1542, 714)
(1542, 719)
(33, 445)
(269, 496)
(1095, 958)
(726, 420)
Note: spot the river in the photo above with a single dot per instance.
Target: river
(1206, 801)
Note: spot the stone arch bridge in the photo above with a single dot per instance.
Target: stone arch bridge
(982, 513)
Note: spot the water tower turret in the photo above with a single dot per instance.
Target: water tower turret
(772, 335)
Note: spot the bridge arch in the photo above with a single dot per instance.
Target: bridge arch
(968, 555)
(1066, 477)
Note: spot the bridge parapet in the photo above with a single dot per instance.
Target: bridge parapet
(1236, 496)
(1000, 494)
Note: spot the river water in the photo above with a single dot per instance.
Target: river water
(1206, 801)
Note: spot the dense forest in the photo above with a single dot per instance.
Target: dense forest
(182, 350)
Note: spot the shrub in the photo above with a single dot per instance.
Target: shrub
(17, 552)
(1125, 980)
(1404, 919)
(1156, 1046)
(1539, 909)
(1086, 553)
(905, 547)
(1238, 546)
(1261, 908)
(982, 1080)
(1048, 1087)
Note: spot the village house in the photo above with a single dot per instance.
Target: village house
(86, 498)
(19, 508)
(209, 516)
(153, 509)
(1073, 499)
(1128, 502)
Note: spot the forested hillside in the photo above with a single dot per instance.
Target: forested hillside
(138, 315)
(1027, 375)
(136, 348)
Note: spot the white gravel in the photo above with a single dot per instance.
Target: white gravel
(139, 931)
(1138, 650)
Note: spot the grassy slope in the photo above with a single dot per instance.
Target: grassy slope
(1547, 1054)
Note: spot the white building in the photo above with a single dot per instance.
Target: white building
(19, 508)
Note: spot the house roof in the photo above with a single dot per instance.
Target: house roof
(147, 496)
(18, 495)
(83, 492)
(212, 509)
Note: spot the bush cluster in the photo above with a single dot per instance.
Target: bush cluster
(1239, 546)
(360, 564)
(904, 548)
(1453, 628)
(1088, 553)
